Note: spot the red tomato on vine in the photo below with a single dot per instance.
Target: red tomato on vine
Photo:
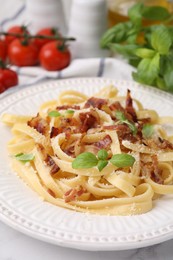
(23, 53)
(54, 56)
(46, 32)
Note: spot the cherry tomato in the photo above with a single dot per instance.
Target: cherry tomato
(15, 29)
(45, 32)
(3, 50)
(8, 78)
(54, 56)
(23, 54)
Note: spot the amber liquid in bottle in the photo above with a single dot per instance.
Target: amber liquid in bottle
(116, 16)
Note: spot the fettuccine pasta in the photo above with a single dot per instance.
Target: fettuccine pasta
(104, 154)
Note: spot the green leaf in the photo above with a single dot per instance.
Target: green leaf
(147, 130)
(24, 157)
(126, 50)
(122, 160)
(135, 13)
(102, 154)
(102, 164)
(161, 83)
(84, 161)
(132, 127)
(145, 53)
(54, 113)
(155, 13)
(116, 34)
(122, 118)
(148, 70)
(161, 39)
(168, 79)
(120, 115)
(70, 112)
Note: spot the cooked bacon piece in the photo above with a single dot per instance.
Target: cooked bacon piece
(63, 107)
(105, 143)
(67, 132)
(123, 132)
(50, 162)
(129, 106)
(39, 124)
(51, 193)
(58, 130)
(156, 173)
(165, 144)
(158, 144)
(88, 120)
(116, 106)
(70, 151)
(55, 131)
(73, 194)
(95, 102)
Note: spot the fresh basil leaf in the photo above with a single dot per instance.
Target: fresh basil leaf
(168, 79)
(122, 160)
(161, 83)
(54, 113)
(135, 13)
(116, 34)
(161, 39)
(154, 13)
(120, 115)
(122, 118)
(132, 127)
(70, 112)
(126, 50)
(148, 70)
(84, 161)
(102, 164)
(145, 53)
(147, 130)
(102, 154)
(24, 157)
(166, 63)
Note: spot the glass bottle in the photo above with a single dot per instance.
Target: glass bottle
(118, 9)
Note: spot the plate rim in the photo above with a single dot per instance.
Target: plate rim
(10, 218)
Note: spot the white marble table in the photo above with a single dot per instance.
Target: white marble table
(16, 246)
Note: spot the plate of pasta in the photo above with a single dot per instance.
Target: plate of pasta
(87, 163)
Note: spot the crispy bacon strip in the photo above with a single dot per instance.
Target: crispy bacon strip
(129, 106)
(123, 132)
(63, 107)
(95, 102)
(105, 143)
(50, 162)
(88, 120)
(156, 173)
(39, 124)
(51, 193)
(55, 131)
(116, 106)
(165, 144)
(73, 194)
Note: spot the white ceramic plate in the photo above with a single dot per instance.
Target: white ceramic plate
(23, 210)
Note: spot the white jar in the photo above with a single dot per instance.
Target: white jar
(88, 22)
(45, 13)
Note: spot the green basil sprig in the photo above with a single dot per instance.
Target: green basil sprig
(25, 157)
(149, 48)
(122, 118)
(147, 130)
(54, 113)
(88, 160)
